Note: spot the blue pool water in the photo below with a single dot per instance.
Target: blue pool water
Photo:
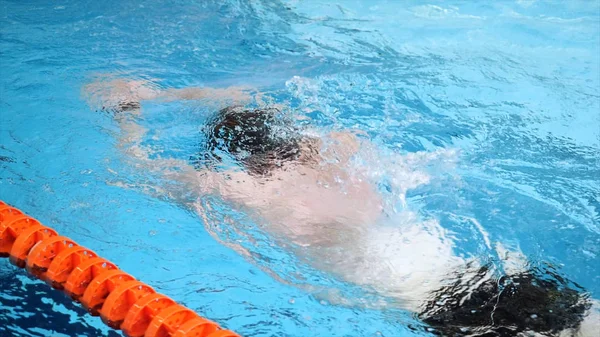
(496, 104)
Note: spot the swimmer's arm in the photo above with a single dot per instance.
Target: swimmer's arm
(121, 95)
(232, 95)
(126, 95)
(114, 94)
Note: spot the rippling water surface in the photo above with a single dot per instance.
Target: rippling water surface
(483, 120)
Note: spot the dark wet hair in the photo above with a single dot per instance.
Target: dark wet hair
(538, 300)
(259, 139)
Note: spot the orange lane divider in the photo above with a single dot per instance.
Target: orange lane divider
(121, 301)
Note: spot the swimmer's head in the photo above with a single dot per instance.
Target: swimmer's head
(258, 139)
(533, 301)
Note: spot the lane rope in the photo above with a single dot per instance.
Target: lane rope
(104, 290)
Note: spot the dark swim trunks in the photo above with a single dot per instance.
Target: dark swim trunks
(537, 300)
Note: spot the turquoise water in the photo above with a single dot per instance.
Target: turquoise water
(501, 100)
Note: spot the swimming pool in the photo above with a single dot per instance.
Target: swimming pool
(492, 109)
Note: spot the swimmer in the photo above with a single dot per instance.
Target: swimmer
(302, 188)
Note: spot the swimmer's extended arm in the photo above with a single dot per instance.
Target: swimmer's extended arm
(123, 97)
(235, 94)
(126, 95)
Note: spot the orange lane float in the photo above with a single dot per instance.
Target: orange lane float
(121, 301)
